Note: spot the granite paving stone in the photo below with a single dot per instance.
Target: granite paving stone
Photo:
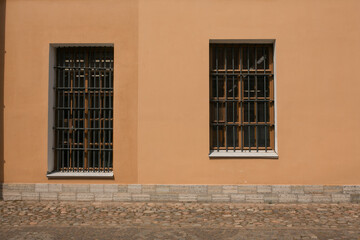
(179, 220)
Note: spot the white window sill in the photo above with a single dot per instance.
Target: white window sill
(80, 175)
(243, 154)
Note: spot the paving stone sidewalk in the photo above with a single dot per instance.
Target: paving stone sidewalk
(85, 220)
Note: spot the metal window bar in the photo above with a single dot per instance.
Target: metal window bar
(233, 93)
(248, 92)
(226, 96)
(217, 95)
(83, 109)
(253, 103)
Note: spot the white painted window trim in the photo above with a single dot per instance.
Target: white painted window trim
(80, 175)
(242, 154)
(253, 154)
(51, 113)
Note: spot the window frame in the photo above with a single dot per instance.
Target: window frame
(51, 170)
(230, 153)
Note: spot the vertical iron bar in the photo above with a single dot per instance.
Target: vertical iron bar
(77, 61)
(68, 107)
(95, 111)
(241, 111)
(61, 123)
(56, 131)
(249, 105)
(78, 109)
(89, 110)
(69, 114)
(256, 103)
(102, 103)
(265, 99)
(74, 110)
(233, 91)
(217, 96)
(93, 131)
(105, 114)
(110, 106)
(99, 106)
(58, 120)
(225, 103)
(109, 113)
(72, 70)
(83, 119)
(98, 96)
(106, 111)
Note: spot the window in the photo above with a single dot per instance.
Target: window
(241, 100)
(83, 121)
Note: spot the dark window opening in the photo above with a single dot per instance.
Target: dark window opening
(241, 97)
(84, 109)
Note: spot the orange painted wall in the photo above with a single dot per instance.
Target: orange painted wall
(162, 85)
(30, 27)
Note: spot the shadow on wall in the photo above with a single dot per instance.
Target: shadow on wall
(2, 61)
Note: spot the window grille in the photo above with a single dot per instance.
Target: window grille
(241, 97)
(84, 109)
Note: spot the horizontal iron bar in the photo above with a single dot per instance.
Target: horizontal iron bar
(243, 74)
(92, 68)
(244, 100)
(241, 124)
(84, 170)
(82, 88)
(82, 149)
(67, 108)
(65, 128)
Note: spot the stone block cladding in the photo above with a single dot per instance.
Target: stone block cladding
(181, 193)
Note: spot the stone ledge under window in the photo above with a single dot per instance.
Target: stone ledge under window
(80, 175)
(243, 154)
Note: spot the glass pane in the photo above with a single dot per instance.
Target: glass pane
(217, 137)
(249, 112)
(249, 136)
(232, 58)
(79, 80)
(262, 134)
(248, 58)
(262, 108)
(218, 112)
(218, 58)
(78, 100)
(261, 82)
(232, 87)
(261, 58)
(249, 86)
(218, 86)
(232, 136)
(232, 112)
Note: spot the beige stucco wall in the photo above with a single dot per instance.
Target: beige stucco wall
(161, 86)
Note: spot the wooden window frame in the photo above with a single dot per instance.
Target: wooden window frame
(241, 74)
(99, 93)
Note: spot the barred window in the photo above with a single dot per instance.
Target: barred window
(241, 98)
(84, 109)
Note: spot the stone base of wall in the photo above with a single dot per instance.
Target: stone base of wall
(182, 193)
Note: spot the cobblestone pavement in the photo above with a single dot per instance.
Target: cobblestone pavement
(66, 220)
